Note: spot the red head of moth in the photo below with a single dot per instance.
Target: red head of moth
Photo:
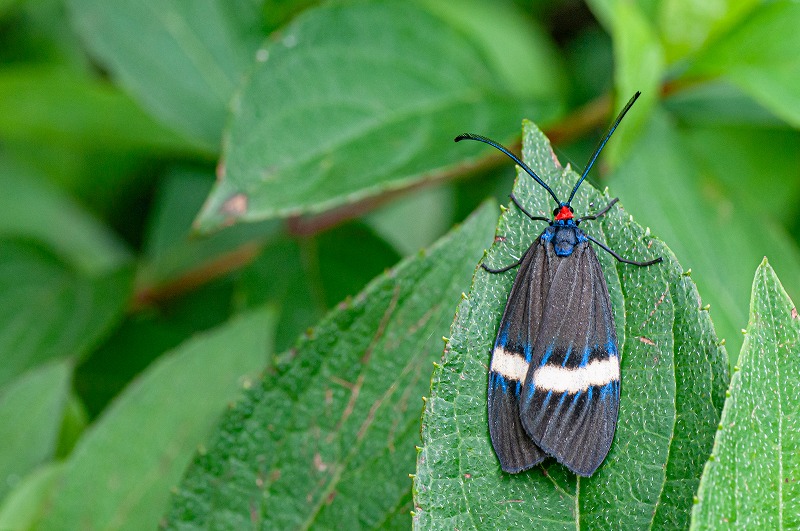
(564, 213)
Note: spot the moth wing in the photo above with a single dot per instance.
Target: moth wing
(570, 397)
(510, 361)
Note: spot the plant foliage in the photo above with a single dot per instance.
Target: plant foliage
(192, 188)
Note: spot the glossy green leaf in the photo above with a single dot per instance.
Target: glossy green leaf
(120, 474)
(181, 59)
(719, 239)
(751, 480)
(50, 311)
(760, 56)
(31, 408)
(354, 100)
(673, 379)
(328, 438)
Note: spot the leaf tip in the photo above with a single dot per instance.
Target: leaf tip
(215, 215)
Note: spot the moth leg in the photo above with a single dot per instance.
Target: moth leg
(624, 260)
(502, 269)
(599, 214)
(519, 206)
(518, 262)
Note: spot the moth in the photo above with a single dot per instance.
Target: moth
(554, 378)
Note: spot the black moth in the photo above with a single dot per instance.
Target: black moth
(554, 377)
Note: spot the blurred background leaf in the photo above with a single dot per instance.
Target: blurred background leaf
(128, 476)
(315, 138)
(350, 102)
(181, 59)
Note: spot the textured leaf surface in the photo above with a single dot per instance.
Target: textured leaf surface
(328, 438)
(182, 59)
(354, 100)
(120, 474)
(690, 206)
(752, 480)
(673, 378)
(760, 56)
(31, 408)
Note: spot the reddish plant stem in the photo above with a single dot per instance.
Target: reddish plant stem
(590, 116)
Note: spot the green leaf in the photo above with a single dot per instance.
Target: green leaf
(181, 59)
(750, 481)
(760, 56)
(73, 424)
(673, 379)
(738, 157)
(173, 250)
(719, 239)
(31, 208)
(50, 105)
(120, 474)
(686, 26)
(328, 437)
(638, 65)
(353, 101)
(48, 310)
(719, 104)
(23, 506)
(306, 277)
(415, 221)
(511, 41)
(31, 409)
(145, 335)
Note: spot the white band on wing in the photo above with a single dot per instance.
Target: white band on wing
(510, 365)
(560, 379)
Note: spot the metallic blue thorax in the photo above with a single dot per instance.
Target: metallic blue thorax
(564, 235)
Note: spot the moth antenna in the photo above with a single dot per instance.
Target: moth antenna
(479, 138)
(602, 144)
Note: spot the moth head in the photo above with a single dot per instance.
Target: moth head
(563, 212)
